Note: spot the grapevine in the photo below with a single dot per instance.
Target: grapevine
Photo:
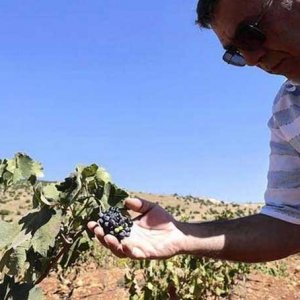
(54, 230)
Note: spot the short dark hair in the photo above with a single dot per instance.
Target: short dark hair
(205, 12)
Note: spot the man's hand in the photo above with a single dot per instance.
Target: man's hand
(154, 234)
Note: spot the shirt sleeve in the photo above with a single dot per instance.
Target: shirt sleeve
(282, 196)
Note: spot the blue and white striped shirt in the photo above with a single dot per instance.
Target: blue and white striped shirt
(282, 197)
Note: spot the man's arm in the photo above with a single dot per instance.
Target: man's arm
(156, 234)
(254, 238)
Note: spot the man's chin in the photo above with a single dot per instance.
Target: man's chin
(295, 81)
(294, 78)
(269, 71)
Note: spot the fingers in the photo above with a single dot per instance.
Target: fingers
(114, 245)
(139, 205)
(98, 231)
(92, 225)
(108, 240)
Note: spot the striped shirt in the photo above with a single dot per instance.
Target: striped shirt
(282, 197)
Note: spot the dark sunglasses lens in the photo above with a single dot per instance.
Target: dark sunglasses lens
(234, 58)
(249, 37)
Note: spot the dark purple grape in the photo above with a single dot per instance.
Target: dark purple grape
(115, 223)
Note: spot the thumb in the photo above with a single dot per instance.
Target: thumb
(139, 205)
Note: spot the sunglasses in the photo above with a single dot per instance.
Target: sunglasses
(248, 37)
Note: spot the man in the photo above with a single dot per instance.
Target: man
(266, 34)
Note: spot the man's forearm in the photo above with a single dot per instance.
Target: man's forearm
(254, 238)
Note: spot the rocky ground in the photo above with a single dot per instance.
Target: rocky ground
(94, 283)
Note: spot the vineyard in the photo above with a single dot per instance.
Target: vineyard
(46, 251)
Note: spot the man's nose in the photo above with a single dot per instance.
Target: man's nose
(253, 57)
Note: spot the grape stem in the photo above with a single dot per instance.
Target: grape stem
(63, 250)
(80, 212)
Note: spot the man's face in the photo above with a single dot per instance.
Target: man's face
(280, 53)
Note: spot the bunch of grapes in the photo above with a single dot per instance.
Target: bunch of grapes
(115, 223)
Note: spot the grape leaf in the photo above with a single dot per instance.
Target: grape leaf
(5, 259)
(4, 286)
(36, 219)
(19, 291)
(89, 171)
(70, 188)
(41, 227)
(16, 262)
(116, 195)
(3, 165)
(50, 192)
(27, 166)
(44, 237)
(7, 233)
(102, 175)
(36, 293)
(105, 196)
(19, 168)
(46, 194)
(37, 230)
(23, 167)
(67, 185)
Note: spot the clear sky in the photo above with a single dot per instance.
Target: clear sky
(136, 87)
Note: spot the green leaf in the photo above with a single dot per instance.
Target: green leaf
(46, 194)
(19, 168)
(7, 233)
(192, 289)
(4, 286)
(105, 196)
(45, 236)
(219, 291)
(41, 228)
(38, 265)
(89, 171)
(27, 166)
(170, 266)
(25, 291)
(68, 185)
(36, 293)
(37, 230)
(116, 195)
(3, 165)
(36, 219)
(32, 179)
(5, 258)
(70, 188)
(7, 178)
(149, 286)
(102, 175)
(23, 167)
(17, 260)
(34, 224)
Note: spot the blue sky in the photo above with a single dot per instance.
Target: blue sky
(136, 87)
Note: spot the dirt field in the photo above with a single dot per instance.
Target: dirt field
(95, 283)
